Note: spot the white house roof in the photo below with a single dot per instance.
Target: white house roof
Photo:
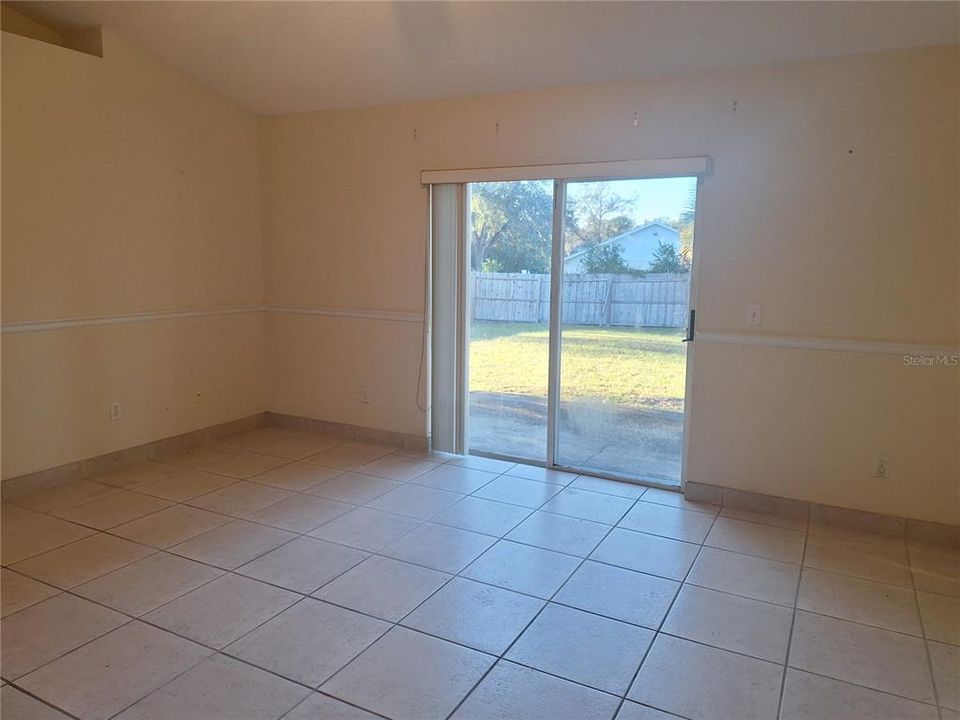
(623, 236)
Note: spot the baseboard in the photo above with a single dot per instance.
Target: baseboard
(348, 432)
(16, 487)
(830, 515)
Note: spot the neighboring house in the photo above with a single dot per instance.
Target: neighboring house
(638, 244)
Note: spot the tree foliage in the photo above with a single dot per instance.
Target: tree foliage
(512, 226)
(668, 259)
(605, 259)
(596, 214)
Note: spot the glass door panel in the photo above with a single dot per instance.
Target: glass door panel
(627, 248)
(510, 228)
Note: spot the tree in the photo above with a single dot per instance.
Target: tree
(667, 259)
(605, 259)
(511, 226)
(596, 214)
(685, 226)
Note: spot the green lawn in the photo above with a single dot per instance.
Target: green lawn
(629, 367)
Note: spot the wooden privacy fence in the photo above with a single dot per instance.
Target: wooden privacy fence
(653, 300)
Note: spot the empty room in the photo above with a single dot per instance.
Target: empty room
(480, 360)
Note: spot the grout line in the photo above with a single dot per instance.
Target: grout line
(666, 614)
(923, 630)
(793, 619)
(546, 604)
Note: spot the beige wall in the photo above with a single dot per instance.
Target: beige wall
(127, 188)
(835, 244)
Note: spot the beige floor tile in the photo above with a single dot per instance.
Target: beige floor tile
(389, 678)
(185, 485)
(66, 496)
(877, 560)
(49, 629)
(753, 577)
(397, 467)
(512, 692)
(936, 570)
(764, 518)
(366, 529)
(233, 544)
(297, 476)
(24, 533)
(219, 688)
(322, 707)
(83, 560)
(347, 456)
(560, 533)
(254, 440)
(415, 501)
(222, 611)
(383, 587)
(199, 458)
(945, 660)
(303, 565)
(649, 554)
(541, 474)
(583, 647)
(668, 522)
(113, 510)
(523, 568)
(517, 491)
(353, 488)
(300, 513)
(766, 541)
(875, 658)
(704, 683)
(619, 593)
(810, 697)
(731, 622)
(454, 478)
(244, 465)
(676, 499)
(20, 706)
(941, 617)
(18, 592)
(171, 526)
(598, 507)
(610, 487)
(634, 711)
(240, 499)
(482, 463)
(147, 584)
(470, 613)
(102, 678)
(483, 516)
(288, 644)
(297, 448)
(137, 474)
(439, 547)
(863, 601)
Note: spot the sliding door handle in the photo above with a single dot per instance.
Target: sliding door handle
(690, 326)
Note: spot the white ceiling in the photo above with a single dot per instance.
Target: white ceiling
(280, 57)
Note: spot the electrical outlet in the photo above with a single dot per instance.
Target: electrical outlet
(365, 394)
(754, 315)
(115, 413)
(883, 469)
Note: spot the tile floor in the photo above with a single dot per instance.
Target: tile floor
(281, 574)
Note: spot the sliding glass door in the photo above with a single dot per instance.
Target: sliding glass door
(628, 253)
(510, 240)
(573, 303)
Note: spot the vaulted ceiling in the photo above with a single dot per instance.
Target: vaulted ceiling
(280, 57)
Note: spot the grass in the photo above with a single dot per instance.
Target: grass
(624, 366)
